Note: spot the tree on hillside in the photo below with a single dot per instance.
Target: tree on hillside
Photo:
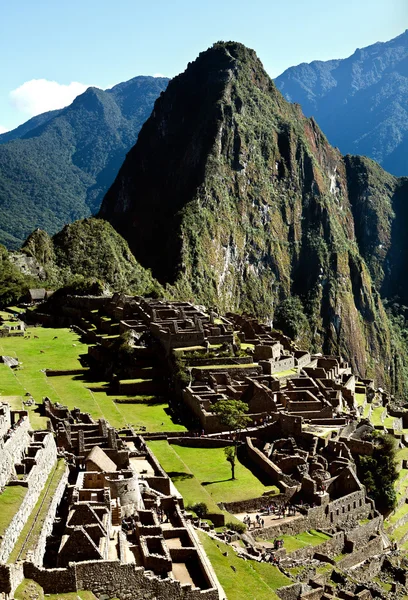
(232, 415)
(230, 455)
(379, 472)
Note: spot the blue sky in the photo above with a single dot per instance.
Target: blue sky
(52, 50)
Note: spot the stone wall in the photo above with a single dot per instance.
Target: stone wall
(10, 578)
(111, 578)
(290, 592)
(200, 442)
(372, 548)
(12, 450)
(339, 512)
(268, 467)
(252, 504)
(362, 534)
(359, 447)
(45, 461)
(39, 551)
(332, 547)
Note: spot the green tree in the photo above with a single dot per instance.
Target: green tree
(13, 284)
(231, 455)
(290, 317)
(232, 415)
(379, 472)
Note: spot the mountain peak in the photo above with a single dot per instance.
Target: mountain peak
(56, 167)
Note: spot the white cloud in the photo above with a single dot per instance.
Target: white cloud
(40, 95)
(159, 75)
(3, 129)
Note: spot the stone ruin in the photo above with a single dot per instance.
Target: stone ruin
(303, 436)
(117, 511)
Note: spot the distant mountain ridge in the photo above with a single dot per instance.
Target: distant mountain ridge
(56, 167)
(360, 102)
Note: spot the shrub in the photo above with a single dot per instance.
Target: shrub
(238, 527)
(200, 509)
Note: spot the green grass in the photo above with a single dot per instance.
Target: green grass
(190, 468)
(250, 580)
(29, 589)
(399, 533)
(360, 399)
(10, 501)
(31, 531)
(36, 420)
(389, 422)
(402, 454)
(386, 586)
(375, 417)
(285, 373)
(401, 512)
(248, 366)
(303, 540)
(70, 390)
(325, 569)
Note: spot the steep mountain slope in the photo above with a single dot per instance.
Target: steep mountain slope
(56, 167)
(361, 102)
(234, 198)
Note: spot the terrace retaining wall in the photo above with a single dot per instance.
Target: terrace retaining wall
(123, 581)
(35, 482)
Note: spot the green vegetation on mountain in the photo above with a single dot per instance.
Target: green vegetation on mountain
(88, 250)
(254, 207)
(361, 102)
(379, 472)
(13, 284)
(55, 168)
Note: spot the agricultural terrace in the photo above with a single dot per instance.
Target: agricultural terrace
(49, 348)
(247, 580)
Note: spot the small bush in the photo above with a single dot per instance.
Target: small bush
(238, 527)
(200, 509)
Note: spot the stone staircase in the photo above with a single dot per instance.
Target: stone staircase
(116, 513)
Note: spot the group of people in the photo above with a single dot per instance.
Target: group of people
(280, 511)
(258, 522)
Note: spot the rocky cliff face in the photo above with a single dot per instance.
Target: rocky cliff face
(232, 197)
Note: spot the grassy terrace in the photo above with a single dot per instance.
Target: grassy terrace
(401, 512)
(10, 501)
(248, 366)
(250, 580)
(203, 475)
(360, 399)
(286, 373)
(70, 390)
(303, 540)
(30, 533)
(29, 590)
(376, 416)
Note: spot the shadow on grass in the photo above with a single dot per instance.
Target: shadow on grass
(177, 476)
(246, 462)
(219, 481)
